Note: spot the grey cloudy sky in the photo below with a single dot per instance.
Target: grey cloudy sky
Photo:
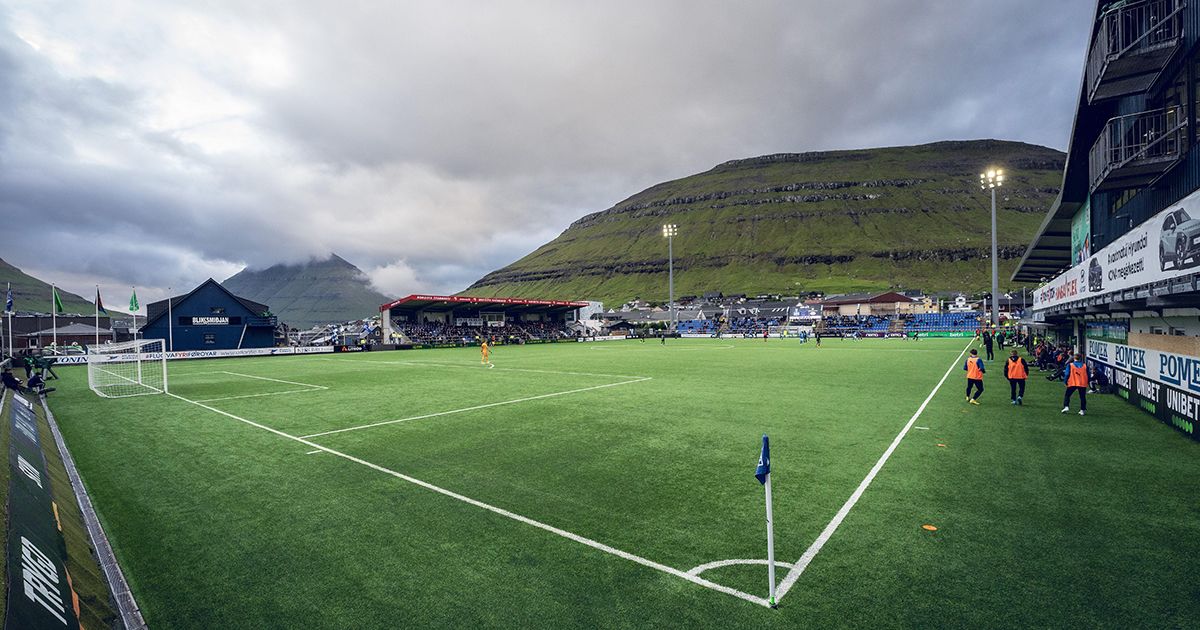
(159, 143)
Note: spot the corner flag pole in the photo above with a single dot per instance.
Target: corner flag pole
(763, 473)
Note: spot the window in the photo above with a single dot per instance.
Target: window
(1118, 200)
(210, 338)
(217, 310)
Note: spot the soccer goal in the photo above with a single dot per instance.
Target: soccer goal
(130, 368)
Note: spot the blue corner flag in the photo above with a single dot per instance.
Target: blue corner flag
(764, 462)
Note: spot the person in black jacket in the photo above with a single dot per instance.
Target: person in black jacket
(1016, 370)
(10, 381)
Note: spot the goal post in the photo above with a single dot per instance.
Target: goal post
(130, 368)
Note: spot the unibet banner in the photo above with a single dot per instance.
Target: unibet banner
(1165, 384)
(1164, 247)
(39, 591)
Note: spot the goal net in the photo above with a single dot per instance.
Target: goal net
(130, 368)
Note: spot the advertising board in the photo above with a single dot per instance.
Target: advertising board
(1164, 384)
(1166, 246)
(80, 359)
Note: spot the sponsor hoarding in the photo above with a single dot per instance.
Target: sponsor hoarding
(80, 359)
(1166, 246)
(39, 592)
(1081, 234)
(1165, 384)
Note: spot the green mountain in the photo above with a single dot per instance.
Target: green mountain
(836, 221)
(31, 295)
(316, 292)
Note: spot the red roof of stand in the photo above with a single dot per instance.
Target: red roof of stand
(427, 301)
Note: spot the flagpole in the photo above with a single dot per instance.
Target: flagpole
(97, 315)
(8, 310)
(54, 316)
(170, 323)
(770, 541)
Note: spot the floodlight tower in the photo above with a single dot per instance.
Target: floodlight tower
(670, 230)
(991, 180)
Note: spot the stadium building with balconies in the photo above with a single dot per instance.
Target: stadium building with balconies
(1117, 257)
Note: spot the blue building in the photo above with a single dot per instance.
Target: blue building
(210, 318)
(1118, 254)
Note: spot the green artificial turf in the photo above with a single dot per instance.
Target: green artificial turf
(1043, 519)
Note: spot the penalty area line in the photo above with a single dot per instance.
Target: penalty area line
(699, 581)
(798, 568)
(477, 407)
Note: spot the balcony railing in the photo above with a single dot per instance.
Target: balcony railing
(1133, 44)
(1136, 149)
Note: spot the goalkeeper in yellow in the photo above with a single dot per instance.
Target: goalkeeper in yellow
(485, 352)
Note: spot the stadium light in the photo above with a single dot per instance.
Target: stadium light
(991, 180)
(670, 231)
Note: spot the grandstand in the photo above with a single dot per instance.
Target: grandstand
(438, 320)
(942, 322)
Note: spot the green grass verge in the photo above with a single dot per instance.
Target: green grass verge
(1044, 519)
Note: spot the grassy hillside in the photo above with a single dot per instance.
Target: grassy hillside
(903, 217)
(316, 292)
(32, 295)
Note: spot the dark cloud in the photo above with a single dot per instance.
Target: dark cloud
(430, 142)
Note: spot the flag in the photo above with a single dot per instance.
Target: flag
(8, 304)
(58, 305)
(764, 462)
(133, 303)
(99, 303)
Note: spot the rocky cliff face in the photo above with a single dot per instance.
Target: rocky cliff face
(316, 292)
(902, 217)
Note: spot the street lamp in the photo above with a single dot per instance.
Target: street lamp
(670, 230)
(992, 180)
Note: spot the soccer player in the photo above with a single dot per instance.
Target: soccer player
(485, 351)
(987, 344)
(1016, 370)
(817, 337)
(974, 369)
(1076, 378)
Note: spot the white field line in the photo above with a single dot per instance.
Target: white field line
(726, 563)
(500, 511)
(313, 452)
(310, 387)
(794, 574)
(472, 366)
(290, 391)
(276, 380)
(478, 407)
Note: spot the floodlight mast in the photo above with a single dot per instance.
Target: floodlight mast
(670, 230)
(991, 180)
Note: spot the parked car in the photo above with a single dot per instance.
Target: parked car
(1095, 276)
(1180, 239)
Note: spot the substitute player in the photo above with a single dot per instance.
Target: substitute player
(486, 352)
(1016, 370)
(1075, 375)
(975, 370)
